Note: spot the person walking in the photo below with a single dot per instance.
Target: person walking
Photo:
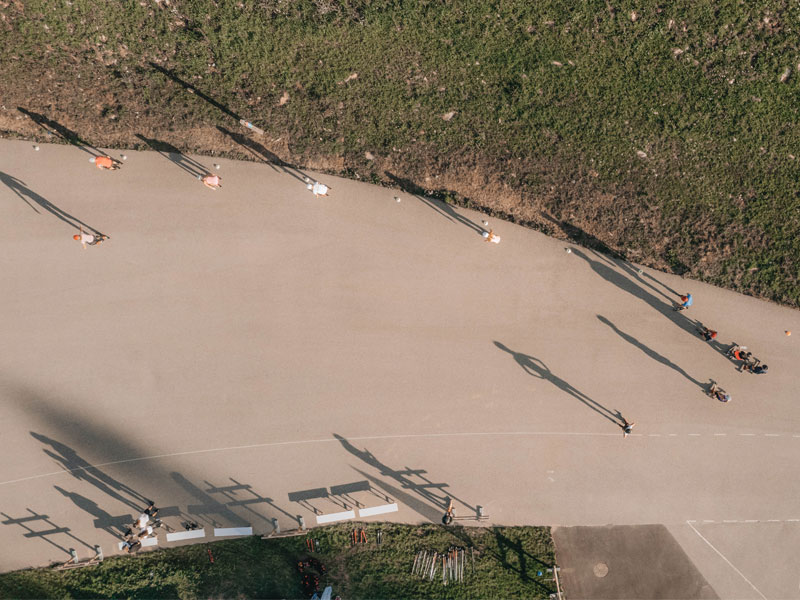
(490, 236)
(706, 333)
(626, 427)
(755, 367)
(717, 392)
(686, 302)
(318, 189)
(211, 181)
(105, 163)
(89, 239)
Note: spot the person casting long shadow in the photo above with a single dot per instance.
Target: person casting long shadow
(649, 351)
(262, 154)
(174, 155)
(535, 367)
(55, 128)
(79, 468)
(637, 289)
(28, 195)
(403, 477)
(443, 208)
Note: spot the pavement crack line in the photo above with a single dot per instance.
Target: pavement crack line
(722, 556)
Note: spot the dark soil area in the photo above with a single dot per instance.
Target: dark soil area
(665, 135)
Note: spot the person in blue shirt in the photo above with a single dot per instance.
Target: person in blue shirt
(686, 302)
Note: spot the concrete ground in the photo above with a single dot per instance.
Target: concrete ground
(227, 348)
(637, 562)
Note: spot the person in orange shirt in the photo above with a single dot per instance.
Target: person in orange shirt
(105, 162)
(212, 181)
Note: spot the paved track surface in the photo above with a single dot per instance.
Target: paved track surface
(262, 337)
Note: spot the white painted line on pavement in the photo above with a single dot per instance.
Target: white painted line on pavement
(333, 517)
(694, 435)
(726, 560)
(335, 441)
(720, 434)
(377, 510)
(772, 434)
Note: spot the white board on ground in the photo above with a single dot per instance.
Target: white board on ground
(333, 517)
(186, 535)
(229, 531)
(377, 510)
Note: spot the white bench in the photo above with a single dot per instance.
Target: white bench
(179, 536)
(377, 510)
(333, 517)
(230, 531)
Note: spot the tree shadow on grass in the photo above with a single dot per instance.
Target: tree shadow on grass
(505, 546)
(536, 367)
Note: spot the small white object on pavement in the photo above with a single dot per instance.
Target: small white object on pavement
(569, 250)
(91, 160)
(216, 166)
(36, 148)
(485, 223)
(397, 198)
(124, 157)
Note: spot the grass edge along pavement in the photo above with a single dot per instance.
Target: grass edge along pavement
(507, 561)
(667, 134)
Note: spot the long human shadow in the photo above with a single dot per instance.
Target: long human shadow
(82, 470)
(264, 155)
(209, 505)
(193, 90)
(442, 208)
(102, 520)
(57, 129)
(175, 156)
(45, 534)
(536, 368)
(426, 489)
(637, 288)
(27, 195)
(649, 351)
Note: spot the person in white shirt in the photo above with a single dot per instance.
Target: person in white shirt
(319, 189)
(92, 239)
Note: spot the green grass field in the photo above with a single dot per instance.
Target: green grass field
(663, 131)
(506, 563)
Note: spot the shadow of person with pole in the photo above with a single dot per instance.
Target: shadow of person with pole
(649, 351)
(27, 195)
(637, 289)
(264, 155)
(536, 368)
(194, 91)
(54, 128)
(442, 208)
(194, 168)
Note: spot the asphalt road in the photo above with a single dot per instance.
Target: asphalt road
(258, 337)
